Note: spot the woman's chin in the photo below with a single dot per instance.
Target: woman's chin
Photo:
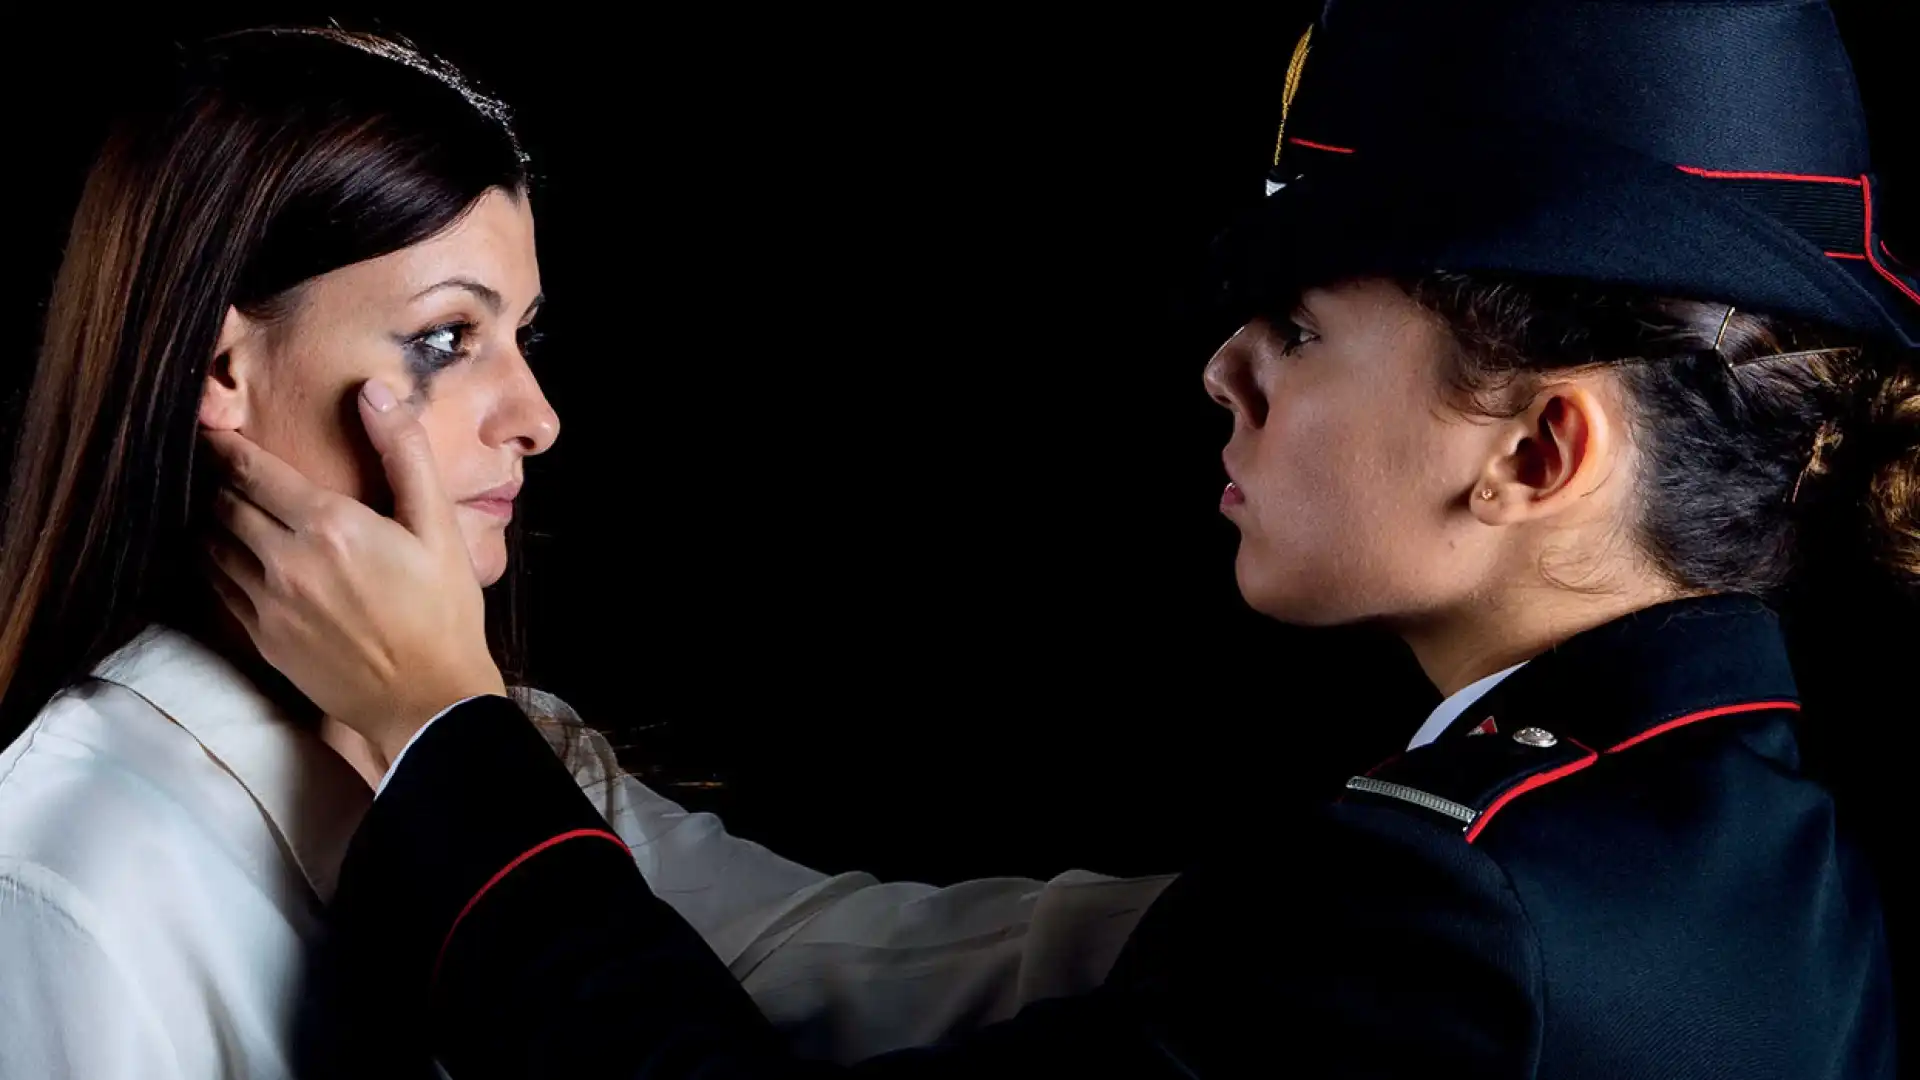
(1258, 586)
(1282, 596)
(489, 561)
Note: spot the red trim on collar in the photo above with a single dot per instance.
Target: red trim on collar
(1543, 779)
(504, 871)
(1384, 764)
(1537, 781)
(1704, 714)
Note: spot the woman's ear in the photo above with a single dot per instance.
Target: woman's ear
(225, 398)
(1569, 447)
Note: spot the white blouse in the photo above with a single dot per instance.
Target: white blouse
(167, 840)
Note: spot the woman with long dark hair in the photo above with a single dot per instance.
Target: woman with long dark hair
(1568, 349)
(284, 216)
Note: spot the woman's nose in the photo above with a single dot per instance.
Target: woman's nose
(1229, 380)
(523, 417)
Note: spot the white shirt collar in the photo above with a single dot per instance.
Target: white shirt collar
(312, 797)
(1458, 702)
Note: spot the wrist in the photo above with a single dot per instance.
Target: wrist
(394, 738)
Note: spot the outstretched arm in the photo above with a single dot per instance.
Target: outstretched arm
(845, 965)
(511, 935)
(379, 620)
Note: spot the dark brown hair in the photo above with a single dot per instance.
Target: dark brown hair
(265, 159)
(1773, 449)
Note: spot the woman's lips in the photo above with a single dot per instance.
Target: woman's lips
(1232, 497)
(497, 502)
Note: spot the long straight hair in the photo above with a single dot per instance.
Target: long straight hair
(264, 160)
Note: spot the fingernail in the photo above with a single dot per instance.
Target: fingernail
(378, 395)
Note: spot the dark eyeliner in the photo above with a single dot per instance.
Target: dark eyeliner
(425, 360)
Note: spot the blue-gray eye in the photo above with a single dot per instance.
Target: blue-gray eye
(439, 347)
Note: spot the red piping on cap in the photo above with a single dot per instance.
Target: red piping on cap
(1866, 193)
(1842, 255)
(1321, 146)
(1723, 174)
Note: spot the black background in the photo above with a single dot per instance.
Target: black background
(884, 517)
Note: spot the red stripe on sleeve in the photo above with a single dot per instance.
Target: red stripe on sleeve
(501, 876)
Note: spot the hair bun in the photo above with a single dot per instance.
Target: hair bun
(1889, 428)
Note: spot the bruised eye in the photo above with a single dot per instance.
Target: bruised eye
(439, 348)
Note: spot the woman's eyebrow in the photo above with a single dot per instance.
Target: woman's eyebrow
(1299, 312)
(486, 293)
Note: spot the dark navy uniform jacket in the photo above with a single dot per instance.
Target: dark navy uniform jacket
(1611, 866)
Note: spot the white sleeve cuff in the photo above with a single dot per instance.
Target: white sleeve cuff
(397, 758)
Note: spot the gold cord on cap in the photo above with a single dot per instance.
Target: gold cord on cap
(1290, 88)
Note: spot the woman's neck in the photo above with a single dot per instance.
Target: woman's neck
(1459, 646)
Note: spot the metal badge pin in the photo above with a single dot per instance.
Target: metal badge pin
(1535, 737)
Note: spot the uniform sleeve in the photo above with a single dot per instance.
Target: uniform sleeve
(484, 907)
(845, 965)
(1385, 947)
(66, 1008)
(486, 917)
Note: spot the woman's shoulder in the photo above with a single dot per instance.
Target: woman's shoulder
(142, 892)
(91, 741)
(110, 796)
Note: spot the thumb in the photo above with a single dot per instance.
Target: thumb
(418, 501)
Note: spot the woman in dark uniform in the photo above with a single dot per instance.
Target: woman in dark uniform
(1567, 349)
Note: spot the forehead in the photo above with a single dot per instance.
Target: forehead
(1374, 337)
(493, 244)
(1372, 303)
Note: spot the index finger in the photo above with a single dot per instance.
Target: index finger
(266, 481)
(419, 501)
